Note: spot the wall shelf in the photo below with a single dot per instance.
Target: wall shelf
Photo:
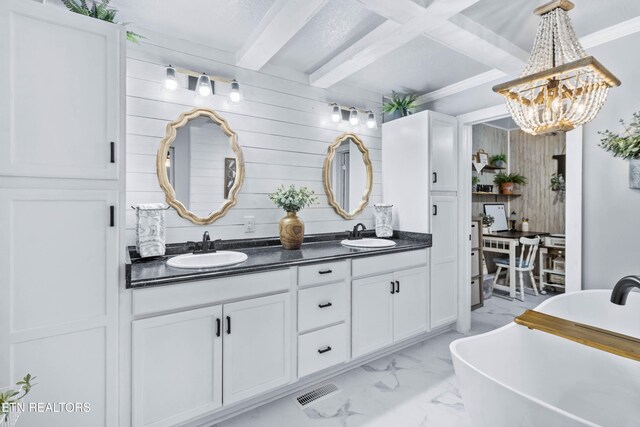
(496, 195)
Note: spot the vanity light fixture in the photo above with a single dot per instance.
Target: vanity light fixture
(353, 116)
(371, 120)
(336, 114)
(234, 94)
(170, 81)
(561, 86)
(203, 87)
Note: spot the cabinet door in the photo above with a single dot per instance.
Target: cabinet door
(257, 346)
(58, 303)
(59, 92)
(443, 140)
(177, 367)
(372, 314)
(410, 303)
(444, 260)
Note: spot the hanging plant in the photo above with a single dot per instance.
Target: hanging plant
(99, 10)
(558, 183)
(400, 103)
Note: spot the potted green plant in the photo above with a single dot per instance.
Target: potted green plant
(506, 181)
(292, 200)
(558, 183)
(474, 183)
(400, 105)
(10, 401)
(499, 160)
(99, 10)
(626, 145)
(487, 222)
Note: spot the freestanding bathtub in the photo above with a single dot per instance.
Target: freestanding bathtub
(519, 377)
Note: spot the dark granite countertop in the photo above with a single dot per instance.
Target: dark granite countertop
(264, 254)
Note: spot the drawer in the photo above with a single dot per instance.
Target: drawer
(322, 349)
(322, 305)
(385, 263)
(323, 273)
(475, 263)
(476, 288)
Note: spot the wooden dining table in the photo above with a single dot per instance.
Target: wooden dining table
(506, 242)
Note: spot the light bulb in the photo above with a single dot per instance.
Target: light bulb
(203, 87)
(580, 107)
(234, 94)
(353, 117)
(167, 162)
(336, 114)
(556, 105)
(371, 120)
(170, 81)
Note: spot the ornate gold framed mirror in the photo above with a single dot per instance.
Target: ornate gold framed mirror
(200, 166)
(347, 175)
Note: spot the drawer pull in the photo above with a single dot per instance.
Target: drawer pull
(325, 305)
(228, 325)
(218, 327)
(393, 288)
(397, 286)
(325, 272)
(324, 350)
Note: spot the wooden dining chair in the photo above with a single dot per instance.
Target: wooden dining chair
(525, 263)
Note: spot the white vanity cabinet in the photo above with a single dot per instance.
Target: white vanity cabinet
(389, 307)
(191, 363)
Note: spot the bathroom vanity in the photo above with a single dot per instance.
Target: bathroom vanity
(209, 343)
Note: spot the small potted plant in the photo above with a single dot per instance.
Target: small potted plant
(499, 161)
(99, 9)
(626, 145)
(487, 222)
(399, 105)
(506, 181)
(474, 183)
(558, 183)
(292, 200)
(10, 401)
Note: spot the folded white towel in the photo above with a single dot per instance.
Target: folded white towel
(150, 229)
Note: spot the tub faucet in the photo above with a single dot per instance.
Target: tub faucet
(623, 287)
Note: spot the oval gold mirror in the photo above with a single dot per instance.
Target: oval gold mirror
(200, 166)
(347, 175)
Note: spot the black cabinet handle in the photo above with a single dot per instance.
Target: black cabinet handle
(324, 350)
(393, 288)
(228, 325)
(112, 148)
(397, 286)
(325, 272)
(435, 210)
(112, 215)
(218, 327)
(435, 177)
(325, 305)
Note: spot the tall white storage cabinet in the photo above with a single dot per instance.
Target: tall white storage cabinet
(420, 178)
(59, 197)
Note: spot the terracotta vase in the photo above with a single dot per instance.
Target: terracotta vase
(291, 231)
(506, 188)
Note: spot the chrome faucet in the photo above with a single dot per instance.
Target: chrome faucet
(207, 244)
(355, 233)
(623, 287)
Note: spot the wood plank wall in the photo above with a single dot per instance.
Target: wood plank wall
(531, 156)
(283, 127)
(494, 141)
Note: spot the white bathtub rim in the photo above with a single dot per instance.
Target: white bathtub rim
(454, 352)
(556, 298)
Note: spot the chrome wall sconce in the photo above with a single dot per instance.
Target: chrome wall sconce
(201, 83)
(352, 115)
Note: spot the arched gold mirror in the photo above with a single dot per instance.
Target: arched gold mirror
(348, 175)
(200, 166)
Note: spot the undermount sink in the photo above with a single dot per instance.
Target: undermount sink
(207, 260)
(369, 243)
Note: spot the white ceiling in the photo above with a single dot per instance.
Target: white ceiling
(451, 50)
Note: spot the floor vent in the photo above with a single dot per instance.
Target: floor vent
(317, 394)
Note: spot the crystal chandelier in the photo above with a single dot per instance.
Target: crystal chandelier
(561, 87)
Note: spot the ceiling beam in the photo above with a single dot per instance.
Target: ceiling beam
(617, 31)
(406, 20)
(283, 20)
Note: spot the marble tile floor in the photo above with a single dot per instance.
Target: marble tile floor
(414, 387)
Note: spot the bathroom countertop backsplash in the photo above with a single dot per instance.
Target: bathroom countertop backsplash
(264, 254)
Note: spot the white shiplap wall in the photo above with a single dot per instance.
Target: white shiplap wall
(283, 127)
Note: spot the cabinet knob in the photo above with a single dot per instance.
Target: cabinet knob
(324, 350)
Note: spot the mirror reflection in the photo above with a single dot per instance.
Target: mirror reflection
(202, 166)
(348, 175)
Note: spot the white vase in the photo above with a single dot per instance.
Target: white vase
(384, 220)
(634, 173)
